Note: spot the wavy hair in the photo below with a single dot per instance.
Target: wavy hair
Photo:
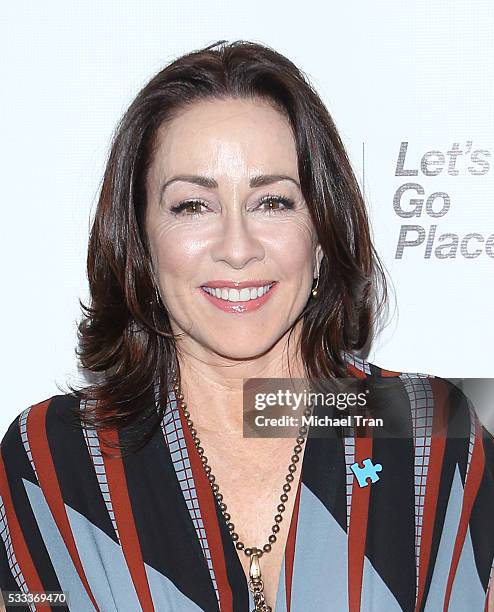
(125, 340)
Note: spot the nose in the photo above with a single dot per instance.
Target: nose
(236, 243)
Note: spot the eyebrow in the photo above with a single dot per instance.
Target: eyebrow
(210, 183)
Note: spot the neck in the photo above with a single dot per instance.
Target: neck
(213, 388)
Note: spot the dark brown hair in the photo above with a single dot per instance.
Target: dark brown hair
(125, 337)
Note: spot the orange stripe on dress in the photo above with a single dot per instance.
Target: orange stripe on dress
(390, 373)
(124, 517)
(48, 480)
(19, 544)
(355, 371)
(474, 478)
(357, 530)
(438, 444)
(290, 546)
(209, 519)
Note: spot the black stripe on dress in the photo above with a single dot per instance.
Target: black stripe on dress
(18, 466)
(235, 571)
(167, 536)
(74, 467)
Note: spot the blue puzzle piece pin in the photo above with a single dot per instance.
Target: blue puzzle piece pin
(368, 471)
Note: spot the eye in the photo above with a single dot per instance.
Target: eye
(188, 204)
(194, 206)
(287, 203)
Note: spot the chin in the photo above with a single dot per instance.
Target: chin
(237, 348)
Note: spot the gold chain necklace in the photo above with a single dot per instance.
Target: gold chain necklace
(256, 584)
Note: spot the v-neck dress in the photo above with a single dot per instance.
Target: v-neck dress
(144, 532)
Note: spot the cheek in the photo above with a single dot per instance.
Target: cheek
(290, 244)
(175, 251)
(178, 262)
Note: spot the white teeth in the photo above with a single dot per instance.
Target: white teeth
(234, 295)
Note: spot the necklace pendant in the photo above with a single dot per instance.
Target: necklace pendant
(256, 585)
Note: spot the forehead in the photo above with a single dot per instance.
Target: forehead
(227, 136)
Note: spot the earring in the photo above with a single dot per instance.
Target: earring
(314, 290)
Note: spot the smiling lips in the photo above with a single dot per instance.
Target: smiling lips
(238, 297)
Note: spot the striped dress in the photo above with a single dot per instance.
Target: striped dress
(145, 532)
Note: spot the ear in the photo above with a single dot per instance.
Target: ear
(319, 256)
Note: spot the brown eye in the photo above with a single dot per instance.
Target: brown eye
(273, 201)
(287, 203)
(192, 205)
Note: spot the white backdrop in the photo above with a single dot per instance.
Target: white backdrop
(411, 76)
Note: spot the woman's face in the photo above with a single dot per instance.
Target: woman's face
(225, 208)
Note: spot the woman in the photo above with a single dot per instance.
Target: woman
(231, 242)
